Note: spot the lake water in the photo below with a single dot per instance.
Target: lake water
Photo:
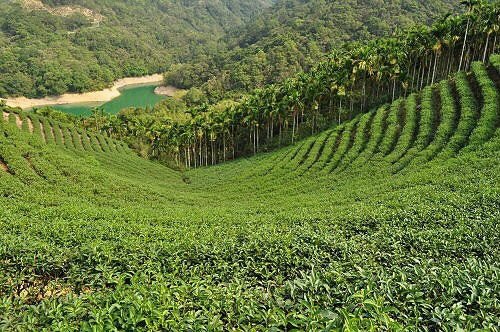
(131, 96)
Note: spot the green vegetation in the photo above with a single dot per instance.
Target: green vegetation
(292, 36)
(45, 53)
(322, 234)
(360, 195)
(355, 78)
(489, 117)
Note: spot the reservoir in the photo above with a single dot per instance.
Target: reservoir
(131, 96)
(126, 92)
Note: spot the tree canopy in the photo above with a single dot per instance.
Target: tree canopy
(47, 52)
(293, 36)
(218, 46)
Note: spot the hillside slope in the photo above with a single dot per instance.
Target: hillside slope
(293, 35)
(387, 221)
(52, 47)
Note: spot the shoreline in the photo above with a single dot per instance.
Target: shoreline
(101, 96)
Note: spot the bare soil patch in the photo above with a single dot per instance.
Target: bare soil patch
(4, 167)
(19, 122)
(64, 11)
(42, 131)
(30, 124)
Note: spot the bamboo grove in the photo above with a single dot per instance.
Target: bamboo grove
(353, 80)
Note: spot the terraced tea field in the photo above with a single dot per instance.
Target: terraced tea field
(387, 222)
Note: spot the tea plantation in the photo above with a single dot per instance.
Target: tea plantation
(387, 222)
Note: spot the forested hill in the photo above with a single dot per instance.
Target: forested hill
(293, 34)
(54, 46)
(47, 49)
(343, 20)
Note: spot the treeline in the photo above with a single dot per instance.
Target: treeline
(293, 36)
(42, 53)
(354, 79)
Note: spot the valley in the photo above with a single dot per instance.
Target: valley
(296, 165)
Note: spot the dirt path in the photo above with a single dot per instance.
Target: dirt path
(5, 116)
(3, 166)
(88, 97)
(42, 131)
(30, 125)
(63, 140)
(52, 132)
(19, 122)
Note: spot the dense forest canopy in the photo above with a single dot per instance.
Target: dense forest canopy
(44, 52)
(293, 35)
(219, 45)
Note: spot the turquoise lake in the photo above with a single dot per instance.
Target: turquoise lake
(132, 96)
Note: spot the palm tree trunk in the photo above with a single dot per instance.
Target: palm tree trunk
(467, 60)
(212, 148)
(364, 94)
(257, 130)
(194, 155)
(429, 71)
(206, 151)
(413, 76)
(312, 125)
(463, 46)
(340, 108)
(224, 145)
(394, 89)
(330, 109)
(281, 129)
(474, 51)
(434, 70)
(272, 128)
(450, 57)
(201, 151)
(486, 47)
(233, 143)
(250, 138)
(254, 140)
(424, 62)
